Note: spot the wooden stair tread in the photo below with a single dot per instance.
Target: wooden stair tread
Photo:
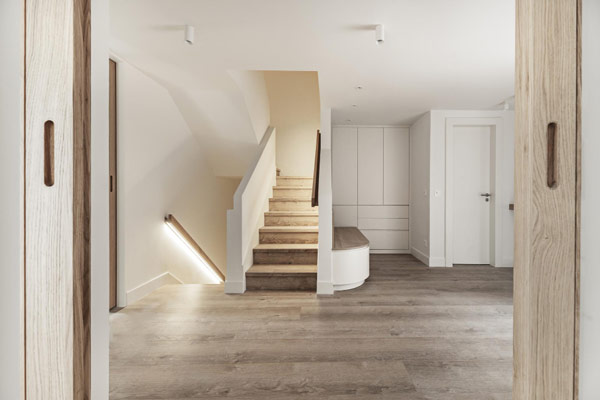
(299, 199)
(290, 228)
(276, 247)
(282, 269)
(292, 213)
(294, 177)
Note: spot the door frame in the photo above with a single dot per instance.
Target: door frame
(496, 125)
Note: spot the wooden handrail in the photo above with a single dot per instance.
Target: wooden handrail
(171, 220)
(315, 187)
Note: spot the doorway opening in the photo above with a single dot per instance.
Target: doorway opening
(474, 220)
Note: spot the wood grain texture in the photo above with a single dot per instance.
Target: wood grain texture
(82, 199)
(346, 238)
(410, 332)
(57, 218)
(545, 218)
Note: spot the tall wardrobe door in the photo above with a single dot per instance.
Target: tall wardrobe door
(370, 166)
(344, 166)
(57, 204)
(396, 174)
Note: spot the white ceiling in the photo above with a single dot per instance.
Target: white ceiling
(437, 54)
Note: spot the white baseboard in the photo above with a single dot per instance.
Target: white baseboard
(235, 287)
(166, 278)
(324, 288)
(437, 262)
(419, 255)
(389, 251)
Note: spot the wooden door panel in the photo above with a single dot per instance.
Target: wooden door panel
(545, 215)
(57, 203)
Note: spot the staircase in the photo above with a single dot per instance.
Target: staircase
(286, 256)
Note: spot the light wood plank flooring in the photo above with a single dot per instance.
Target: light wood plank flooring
(410, 332)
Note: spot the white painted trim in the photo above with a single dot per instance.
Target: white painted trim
(324, 288)
(166, 278)
(496, 140)
(390, 251)
(419, 255)
(437, 262)
(235, 287)
(250, 201)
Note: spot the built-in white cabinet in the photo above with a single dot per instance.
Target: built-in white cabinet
(344, 163)
(396, 173)
(370, 180)
(370, 166)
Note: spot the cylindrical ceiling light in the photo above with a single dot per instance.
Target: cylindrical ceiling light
(379, 34)
(189, 34)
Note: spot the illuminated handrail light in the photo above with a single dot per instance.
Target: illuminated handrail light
(210, 268)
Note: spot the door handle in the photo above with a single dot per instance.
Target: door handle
(486, 195)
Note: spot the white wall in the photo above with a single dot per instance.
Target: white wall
(11, 200)
(419, 188)
(99, 201)
(254, 89)
(295, 113)
(437, 184)
(589, 352)
(325, 265)
(161, 170)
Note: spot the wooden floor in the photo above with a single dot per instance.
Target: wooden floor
(410, 332)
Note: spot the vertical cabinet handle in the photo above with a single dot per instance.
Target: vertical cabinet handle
(551, 156)
(49, 153)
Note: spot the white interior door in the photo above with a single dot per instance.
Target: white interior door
(471, 180)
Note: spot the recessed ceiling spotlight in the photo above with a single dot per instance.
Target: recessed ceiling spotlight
(189, 34)
(379, 34)
(359, 88)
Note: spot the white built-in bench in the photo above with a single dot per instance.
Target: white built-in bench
(350, 258)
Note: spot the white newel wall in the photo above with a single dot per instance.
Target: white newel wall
(250, 202)
(325, 266)
(370, 177)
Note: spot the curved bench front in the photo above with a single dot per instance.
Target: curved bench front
(350, 258)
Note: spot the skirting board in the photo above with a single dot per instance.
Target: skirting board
(146, 288)
(324, 288)
(389, 251)
(438, 262)
(419, 255)
(235, 287)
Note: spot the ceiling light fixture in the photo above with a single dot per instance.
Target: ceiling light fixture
(379, 34)
(359, 88)
(189, 34)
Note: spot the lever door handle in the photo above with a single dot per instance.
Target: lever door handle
(485, 195)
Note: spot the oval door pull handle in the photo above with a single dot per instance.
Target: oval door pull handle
(49, 153)
(551, 155)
